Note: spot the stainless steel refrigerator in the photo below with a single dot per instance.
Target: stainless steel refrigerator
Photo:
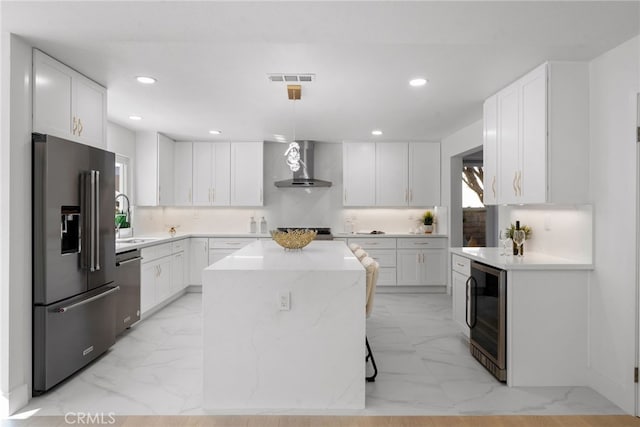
(73, 257)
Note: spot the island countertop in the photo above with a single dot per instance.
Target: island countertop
(319, 255)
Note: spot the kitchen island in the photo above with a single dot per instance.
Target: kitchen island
(284, 329)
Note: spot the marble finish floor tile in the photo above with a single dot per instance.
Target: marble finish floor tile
(424, 365)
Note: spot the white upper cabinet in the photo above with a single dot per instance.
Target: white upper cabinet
(424, 174)
(392, 188)
(542, 123)
(211, 173)
(154, 169)
(358, 165)
(509, 137)
(490, 150)
(227, 174)
(247, 174)
(183, 174)
(67, 104)
(391, 174)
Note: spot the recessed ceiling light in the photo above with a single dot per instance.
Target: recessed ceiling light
(376, 132)
(418, 82)
(146, 80)
(135, 118)
(215, 132)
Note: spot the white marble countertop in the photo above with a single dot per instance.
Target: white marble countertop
(530, 260)
(319, 255)
(153, 239)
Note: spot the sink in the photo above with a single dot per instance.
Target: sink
(137, 240)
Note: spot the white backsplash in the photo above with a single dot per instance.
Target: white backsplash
(563, 231)
(286, 207)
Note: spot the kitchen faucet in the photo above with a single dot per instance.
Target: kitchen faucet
(127, 215)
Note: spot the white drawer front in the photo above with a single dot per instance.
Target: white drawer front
(386, 277)
(421, 243)
(154, 252)
(385, 257)
(461, 264)
(178, 246)
(374, 243)
(229, 242)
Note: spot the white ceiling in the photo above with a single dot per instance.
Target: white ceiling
(211, 60)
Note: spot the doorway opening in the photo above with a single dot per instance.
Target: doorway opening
(478, 220)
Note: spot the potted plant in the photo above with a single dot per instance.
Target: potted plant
(427, 220)
(527, 235)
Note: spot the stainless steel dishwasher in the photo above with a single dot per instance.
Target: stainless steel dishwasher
(128, 299)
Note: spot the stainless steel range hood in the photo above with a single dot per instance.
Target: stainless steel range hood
(303, 177)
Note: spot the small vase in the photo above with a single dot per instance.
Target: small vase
(428, 229)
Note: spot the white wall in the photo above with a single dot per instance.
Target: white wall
(613, 189)
(453, 148)
(121, 141)
(293, 207)
(15, 249)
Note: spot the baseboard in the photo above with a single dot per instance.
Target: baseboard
(411, 289)
(194, 289)
(14, 400)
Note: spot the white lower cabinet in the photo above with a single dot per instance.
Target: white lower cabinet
(198, 259)
(421, 261)
(162, 273)
(407, 261)
(383, 250)
(155, 284)
(460, 272)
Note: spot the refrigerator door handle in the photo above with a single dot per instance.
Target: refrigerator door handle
(97, 222)
(92, 223)
(86, 301)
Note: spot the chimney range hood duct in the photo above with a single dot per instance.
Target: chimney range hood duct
(303, 177)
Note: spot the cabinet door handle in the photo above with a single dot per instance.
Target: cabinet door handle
(515, 180)
(410, 195)
(190, 195)
(75, 125)
(260, 195)
(459, 265)
(406, 195)
(520, 183)
(420, 243)
(345, 195)
(213, 195)
(80, 127)
(493, 187)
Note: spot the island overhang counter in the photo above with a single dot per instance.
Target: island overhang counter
(260, 354)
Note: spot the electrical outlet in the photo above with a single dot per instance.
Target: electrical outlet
(284, 301)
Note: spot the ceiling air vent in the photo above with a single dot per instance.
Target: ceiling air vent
(291, 77)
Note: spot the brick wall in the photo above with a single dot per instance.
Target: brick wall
(473, 226)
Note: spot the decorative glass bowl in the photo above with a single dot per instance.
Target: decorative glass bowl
(293, 239)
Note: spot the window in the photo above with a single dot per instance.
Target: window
(122, 179)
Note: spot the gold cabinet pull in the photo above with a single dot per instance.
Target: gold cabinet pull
(515, 180)
(493, 187)
(75, 125)
(80, 127)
